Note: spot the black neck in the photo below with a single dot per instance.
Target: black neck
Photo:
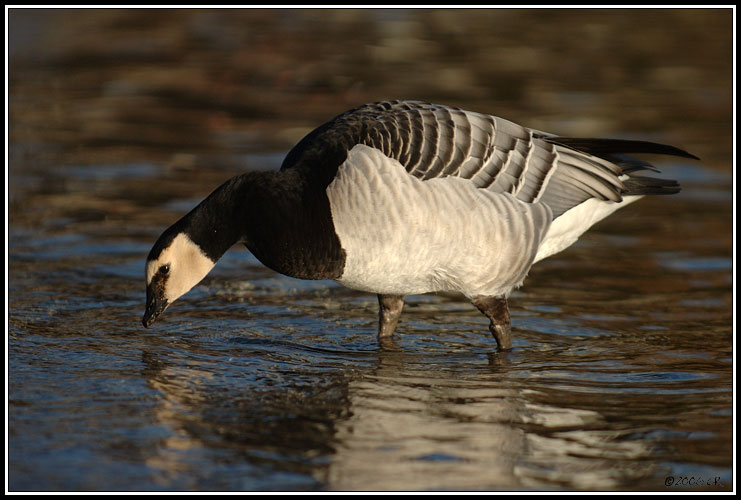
(284, 221)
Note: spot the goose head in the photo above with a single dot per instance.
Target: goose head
(174, 266)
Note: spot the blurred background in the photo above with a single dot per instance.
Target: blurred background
(127, 84)
(121, 120)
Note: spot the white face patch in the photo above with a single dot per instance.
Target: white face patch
(188, 266)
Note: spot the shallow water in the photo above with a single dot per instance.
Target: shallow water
(621, 372)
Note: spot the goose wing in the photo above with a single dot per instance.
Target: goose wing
(432, 140)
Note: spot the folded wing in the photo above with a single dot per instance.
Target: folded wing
(432, 141)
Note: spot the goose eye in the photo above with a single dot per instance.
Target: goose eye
(165, 269)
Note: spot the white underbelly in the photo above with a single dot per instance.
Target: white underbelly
(569, 226)
(405, 236)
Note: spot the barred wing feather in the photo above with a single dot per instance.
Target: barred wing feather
(432, 140)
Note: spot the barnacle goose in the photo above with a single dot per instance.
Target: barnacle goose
(406, 197)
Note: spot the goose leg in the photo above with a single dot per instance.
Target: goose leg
(495, 308)
(390, 307)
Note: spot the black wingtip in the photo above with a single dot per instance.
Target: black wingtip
(600, 147)
(639, 185)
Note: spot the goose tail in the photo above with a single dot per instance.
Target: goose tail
(568, 225)
(617, 150)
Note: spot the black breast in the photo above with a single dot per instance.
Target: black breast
(288, 226)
